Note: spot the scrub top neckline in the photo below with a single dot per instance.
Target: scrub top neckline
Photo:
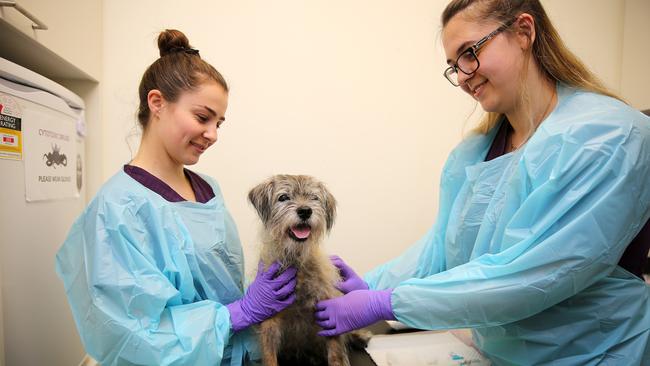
(210, 203)
(560, 90)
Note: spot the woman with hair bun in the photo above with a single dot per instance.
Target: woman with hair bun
(543, 227)
(153, 268)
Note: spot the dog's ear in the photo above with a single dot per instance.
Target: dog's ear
(261, 198)
(330, 208)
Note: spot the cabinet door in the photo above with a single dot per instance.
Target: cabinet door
(74, 29)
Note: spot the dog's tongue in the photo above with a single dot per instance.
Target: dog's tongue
(300, 231)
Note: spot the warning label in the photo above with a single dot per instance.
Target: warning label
(9, 122)
(11, 145)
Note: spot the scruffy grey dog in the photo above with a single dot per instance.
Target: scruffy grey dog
(297, 212)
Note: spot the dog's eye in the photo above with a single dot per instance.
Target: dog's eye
(283, 197)
(314, 198)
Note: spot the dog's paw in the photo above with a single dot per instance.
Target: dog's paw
(359, 339)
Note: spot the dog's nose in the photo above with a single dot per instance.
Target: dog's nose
(304, 212)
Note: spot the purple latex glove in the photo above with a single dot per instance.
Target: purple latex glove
(354, 310)
(269, 294)
(350, 279)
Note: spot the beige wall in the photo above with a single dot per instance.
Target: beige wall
(635, 67)
(593, 30)
(348, 91)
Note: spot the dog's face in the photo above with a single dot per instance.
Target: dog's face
(294, 208)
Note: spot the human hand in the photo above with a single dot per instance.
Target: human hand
(269, 294)
(350, 279)
(354, 310)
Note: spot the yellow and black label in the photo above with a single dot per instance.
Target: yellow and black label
(11, 139)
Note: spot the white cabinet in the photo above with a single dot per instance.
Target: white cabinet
(70, 53)
(37, 325)
(73, 36)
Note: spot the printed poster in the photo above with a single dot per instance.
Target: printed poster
(11, 141)
(50, 155)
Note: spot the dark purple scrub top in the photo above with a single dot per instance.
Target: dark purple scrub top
(202, 190)
(635, 256)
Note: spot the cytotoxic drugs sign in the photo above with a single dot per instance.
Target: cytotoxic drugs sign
(50, 156)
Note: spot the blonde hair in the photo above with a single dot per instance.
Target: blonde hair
(554, 59)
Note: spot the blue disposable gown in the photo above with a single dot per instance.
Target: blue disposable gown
(525, 247)
(148, 279)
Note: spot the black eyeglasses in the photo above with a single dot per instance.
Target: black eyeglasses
(467, 61)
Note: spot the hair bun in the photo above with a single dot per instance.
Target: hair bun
(171, 41)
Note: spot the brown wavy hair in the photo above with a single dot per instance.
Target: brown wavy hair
(554, 59)
(180, 68)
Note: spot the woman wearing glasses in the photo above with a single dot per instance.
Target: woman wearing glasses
(542, 229)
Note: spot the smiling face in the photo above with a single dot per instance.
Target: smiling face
(296, 205)
(296, 210)
(186, 128)
(496, 83)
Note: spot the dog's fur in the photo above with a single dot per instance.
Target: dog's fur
(288, 206)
